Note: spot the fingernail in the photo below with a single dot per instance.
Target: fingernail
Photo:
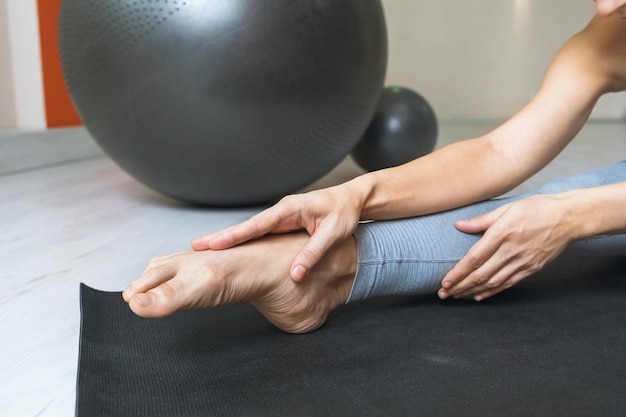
(144, 299)
(298, 272)
(443, 295)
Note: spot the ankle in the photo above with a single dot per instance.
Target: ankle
(341, 270)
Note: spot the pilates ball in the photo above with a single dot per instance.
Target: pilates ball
(404, 128)
(224, 102)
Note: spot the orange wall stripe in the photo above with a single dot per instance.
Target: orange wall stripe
(58, 105)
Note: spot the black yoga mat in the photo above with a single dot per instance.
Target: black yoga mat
(554, 345)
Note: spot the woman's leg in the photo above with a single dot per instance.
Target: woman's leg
(394, 257)
(411, 256)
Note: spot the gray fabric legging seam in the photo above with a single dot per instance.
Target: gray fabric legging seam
(411, 256)
(417, 261)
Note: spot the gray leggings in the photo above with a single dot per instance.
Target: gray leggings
(411, 256)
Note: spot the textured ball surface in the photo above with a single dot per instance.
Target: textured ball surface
(404, 128)
(224, 102)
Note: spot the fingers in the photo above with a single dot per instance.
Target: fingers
(480, 264)
(202, 242)
(257, 226)
(228, 238)
(482, 295)
(492, 288)
(470, 266)
(493, 277)
(498, 282)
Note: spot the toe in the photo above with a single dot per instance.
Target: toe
(151, 278)
(158, 302)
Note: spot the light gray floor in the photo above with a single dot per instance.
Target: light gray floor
(69, 215)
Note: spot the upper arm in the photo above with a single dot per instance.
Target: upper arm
(589, 64)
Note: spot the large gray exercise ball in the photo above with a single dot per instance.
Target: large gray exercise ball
(404, 128)
(224, 102)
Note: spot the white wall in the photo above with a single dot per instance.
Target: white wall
(7, 111)
(25, 63)
(470, 58)
(482, 58)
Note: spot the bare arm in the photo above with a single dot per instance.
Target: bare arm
(476, 169)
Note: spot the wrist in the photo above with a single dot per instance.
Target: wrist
(360, 190)
(598, 210)
(581, 213)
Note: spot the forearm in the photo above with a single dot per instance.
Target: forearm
(477, 169)
(459, 174)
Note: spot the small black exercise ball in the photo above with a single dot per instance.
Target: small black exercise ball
(404, 128)
(224, 102)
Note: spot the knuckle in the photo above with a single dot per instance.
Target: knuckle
(503, 231)
(475, 261)
(165, 290)
(289, 208)
(288, 203)
(480, 278)
(508, 285)
(534, 268)
(311, 254)
(255, 224)
(285, 200)
(494, 283)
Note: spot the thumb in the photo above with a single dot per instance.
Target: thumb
(310, 254)
(477, 224)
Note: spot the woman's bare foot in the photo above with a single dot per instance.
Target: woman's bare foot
(257, 272)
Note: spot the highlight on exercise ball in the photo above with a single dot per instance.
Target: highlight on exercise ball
(404, 128)
(224, 102)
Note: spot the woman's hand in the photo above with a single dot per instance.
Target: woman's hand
(519, 239)
(329, 216)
